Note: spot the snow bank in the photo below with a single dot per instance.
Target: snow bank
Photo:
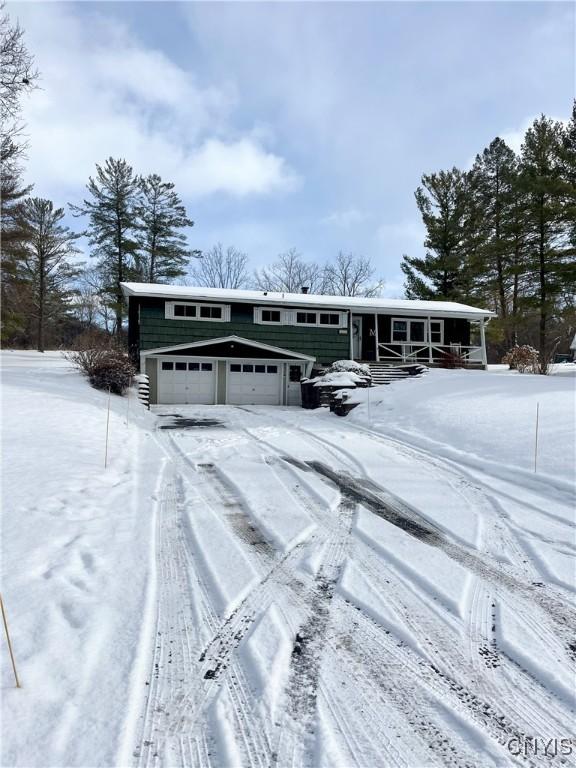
(486, 418)
(77, 552)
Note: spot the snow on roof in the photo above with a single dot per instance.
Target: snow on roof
(412, 306)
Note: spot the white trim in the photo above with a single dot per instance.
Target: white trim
(169, 312)
(376, 335)
(290, 317)
(290, 355)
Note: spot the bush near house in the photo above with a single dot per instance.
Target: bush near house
(105, 368)
(522, 358)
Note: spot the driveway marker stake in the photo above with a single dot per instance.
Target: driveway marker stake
(9, 643)
(107, 428)
(536, 437)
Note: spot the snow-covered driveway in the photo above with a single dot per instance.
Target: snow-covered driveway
(329, 596)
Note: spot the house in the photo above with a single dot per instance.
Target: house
(216, 345)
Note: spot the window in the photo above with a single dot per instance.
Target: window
(211, 313)
(180, 310)
(418, 331)
(399, 330)
(436, 332)
(259, 369)
(306, 318)
(248, 368)
(235, 368)
(295, 373)
(329, 318)
(271, 369)
(184, 310)
(270, 316)
(180, 366)
(206, 366)
(193, 366)
(166, 366)
(280, 316)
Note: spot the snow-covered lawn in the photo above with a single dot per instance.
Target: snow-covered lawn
(272, 586)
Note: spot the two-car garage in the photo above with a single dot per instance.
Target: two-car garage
(240, 372)
(195, 381)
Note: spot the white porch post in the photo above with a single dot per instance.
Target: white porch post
(351, 332)
(376, 336)
(429, 340)
(483, 343)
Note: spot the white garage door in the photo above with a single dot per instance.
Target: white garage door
(254, 383)
(187, 381)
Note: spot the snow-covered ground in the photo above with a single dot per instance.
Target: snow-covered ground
(272, 586)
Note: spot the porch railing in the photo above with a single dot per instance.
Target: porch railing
(431, 353)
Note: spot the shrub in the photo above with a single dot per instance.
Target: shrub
(451, 360)
(350, 366)
(112, 371)
(105, 368)
(522, 358)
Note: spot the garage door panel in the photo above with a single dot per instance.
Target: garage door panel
(187, 381)
(254, 384)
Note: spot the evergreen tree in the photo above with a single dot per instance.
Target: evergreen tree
(163, 254)
(43, 264)
(112, 216)
(550, 257)
(494, 253)
(444, 203)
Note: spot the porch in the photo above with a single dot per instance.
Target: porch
(433, 341)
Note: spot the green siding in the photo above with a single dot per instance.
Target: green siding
(325, 344)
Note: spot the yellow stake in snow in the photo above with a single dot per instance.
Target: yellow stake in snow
(9, 643)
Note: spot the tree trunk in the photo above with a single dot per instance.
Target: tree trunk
(41, 300)
(543, 288)
(119, 276)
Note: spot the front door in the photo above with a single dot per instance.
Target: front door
(357, 338)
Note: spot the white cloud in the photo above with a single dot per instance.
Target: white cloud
(345, 219)
(105, 94)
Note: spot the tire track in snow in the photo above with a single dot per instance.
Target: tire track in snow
(408, 519)
(182, 607)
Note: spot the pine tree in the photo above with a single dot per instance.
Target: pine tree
(163, 254)
(494, 251)
(550, 256)
(444, 203)
(43, 264)
(112, 216)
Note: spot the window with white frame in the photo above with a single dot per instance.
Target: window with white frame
(184, 310)
(436, 332)
(417, 331)
(280, 316)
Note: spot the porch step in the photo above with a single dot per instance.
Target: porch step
(386, 374)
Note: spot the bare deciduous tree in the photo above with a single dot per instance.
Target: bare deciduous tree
(351, 275)
(220, 268)
(18, 74)
(290, 273)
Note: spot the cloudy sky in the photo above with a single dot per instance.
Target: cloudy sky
(290, 124)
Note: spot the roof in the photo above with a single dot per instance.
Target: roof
(353, 303)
